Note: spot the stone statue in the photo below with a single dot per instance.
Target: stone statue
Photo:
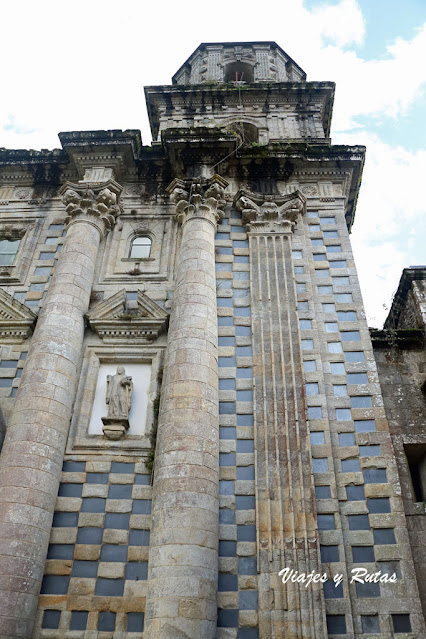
(119, 398)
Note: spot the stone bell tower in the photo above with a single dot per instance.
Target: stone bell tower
(209, 279)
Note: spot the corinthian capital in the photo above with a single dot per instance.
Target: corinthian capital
(95, 203)
(198, 198)
(270, 213)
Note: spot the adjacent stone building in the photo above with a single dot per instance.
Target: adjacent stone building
(190, 401)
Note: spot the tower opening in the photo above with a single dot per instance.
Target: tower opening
(239, 72)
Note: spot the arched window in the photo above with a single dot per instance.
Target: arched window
(140, 247)
(8, 250)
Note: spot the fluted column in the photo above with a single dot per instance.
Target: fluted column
(183, 557)
(285, 497)
(33, 450)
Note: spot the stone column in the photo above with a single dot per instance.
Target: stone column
(285, 496)
(33, 450)
(183, 557)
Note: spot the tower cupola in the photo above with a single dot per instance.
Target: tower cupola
(247, 62)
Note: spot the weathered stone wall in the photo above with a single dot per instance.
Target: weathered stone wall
(238, 597)
(97, 562)
(401, 373)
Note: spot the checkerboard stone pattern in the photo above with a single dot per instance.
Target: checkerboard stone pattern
(97, 561)
(358, 496)
(237, 585)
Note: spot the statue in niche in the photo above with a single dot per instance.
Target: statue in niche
(119, 398)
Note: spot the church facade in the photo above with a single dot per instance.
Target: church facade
(198, 439)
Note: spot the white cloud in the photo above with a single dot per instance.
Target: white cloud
(390, 221)
(378, 88)
(342, 23)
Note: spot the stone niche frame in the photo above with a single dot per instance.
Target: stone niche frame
(118, 267)
(79, 440)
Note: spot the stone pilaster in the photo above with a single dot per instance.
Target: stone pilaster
(183, 557)
(33, 450)
(285, 496)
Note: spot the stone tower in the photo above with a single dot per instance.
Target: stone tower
(189, 387)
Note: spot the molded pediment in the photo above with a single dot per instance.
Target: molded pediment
(16, 319)
(115, 320)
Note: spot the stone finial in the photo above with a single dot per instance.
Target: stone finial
(98, 203)
(270, 213)
(198, 198)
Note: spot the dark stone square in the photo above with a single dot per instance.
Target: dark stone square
(358, 522)
(361, 554)
(70, 490)
(329, 554)
(367, 590)
(122, 467)
(355, 493)
(247, 566)
(331, 591)
(117, 520)
(51, 619)
(55, 585)
(248, 599)
(245, 502)
(139, 537)
(227, 582)
(336, 624)
(246, 533)
(84, 568)
(137, 570)
(401, 623)
(97, 478)
(65, 520)
(370, 623)
(109, 587)
(227, 548)
(74, 467)
(120, 491)
(226, 516)
(60, 551)
(135, 621)
(79, 620)
(141, 507)
(379, 505)
(110, 552)
(384, 536)
(89, 535)
(106, 621)
(227, 618)
(245, 472)
(93, 505)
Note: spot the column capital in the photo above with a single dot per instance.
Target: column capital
(270, 213)
(198, 198)
(94, 203)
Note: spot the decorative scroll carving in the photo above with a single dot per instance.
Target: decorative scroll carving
(198, 198)
(96, 202)
(270, 213)
(119, 399)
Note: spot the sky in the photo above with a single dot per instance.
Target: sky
(83, 65)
